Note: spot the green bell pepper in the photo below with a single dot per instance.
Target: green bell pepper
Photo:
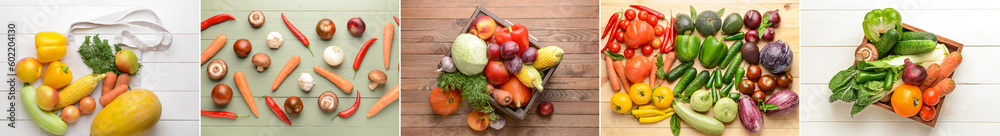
(712, 50)
(879, 21)
(687, 47)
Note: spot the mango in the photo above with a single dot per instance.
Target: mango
(126, 61)
(132, 113)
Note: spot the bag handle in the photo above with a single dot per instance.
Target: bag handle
(125, 37)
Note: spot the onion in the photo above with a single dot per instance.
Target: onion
(333, 55)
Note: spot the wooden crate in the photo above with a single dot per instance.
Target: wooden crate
(952, 47)
(517, 113)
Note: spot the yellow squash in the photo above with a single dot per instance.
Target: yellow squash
(132, 113)
(548, 57)
(50, 46)
(57, 75)
(79, 89)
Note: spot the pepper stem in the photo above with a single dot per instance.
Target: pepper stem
(310, 51)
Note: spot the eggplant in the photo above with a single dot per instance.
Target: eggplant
(786, 100)
(750, 116)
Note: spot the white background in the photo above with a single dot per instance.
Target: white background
(831, 30)
(171, 74)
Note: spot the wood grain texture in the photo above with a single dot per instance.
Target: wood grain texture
(431, 26)
(613, 123)
(303, 15)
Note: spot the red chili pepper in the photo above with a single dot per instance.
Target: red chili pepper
(277, 110)
(612, 39)
(670, 39)
(219, 114)
(298, 34)
(647, 9)
(397, 19)
(349, 112)
(215, 20)
(611, 21)
(361, 55)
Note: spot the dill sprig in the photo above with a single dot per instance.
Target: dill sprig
(473, 90)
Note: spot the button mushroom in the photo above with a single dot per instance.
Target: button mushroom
(306, 82)
(328, 101)
(256, 18)
(274, 40)
(865, 52)
(262, 61)
(376, 77)
(217, 69)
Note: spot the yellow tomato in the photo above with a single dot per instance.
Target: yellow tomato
(662, 97)
(640, 93)
(28, 69)
(621, 103)
(906, 100)
(50, 46)
(57, 75)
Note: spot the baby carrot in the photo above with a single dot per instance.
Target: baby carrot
(241, 83)
(387, 43)
(292, 63)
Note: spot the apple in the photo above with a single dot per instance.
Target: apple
(47, 97)
(126, 61)
(483, 27)
(496, 73)
(28, 69)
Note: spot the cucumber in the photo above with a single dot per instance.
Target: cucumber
(917, 36)
(689, 76)
(909, 47)
(697, 83)
(734, 51)
(678, 71)
(700, 122)
(735, 64)
(886, 43)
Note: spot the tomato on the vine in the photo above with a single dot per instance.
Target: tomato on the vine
(646, 49)
(629, 52)
(630, 14)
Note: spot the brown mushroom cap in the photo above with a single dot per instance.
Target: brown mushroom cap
(217, 69)
(866, 52)
(256, 18)
(262, 61)
(328, 101)
(376, 77)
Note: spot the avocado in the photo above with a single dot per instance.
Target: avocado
(683, 25)
(708, 23)
(733, 24)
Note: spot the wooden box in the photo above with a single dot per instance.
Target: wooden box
(952, 47)
(517, 113)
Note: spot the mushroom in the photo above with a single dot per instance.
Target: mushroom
(274, 40)
(377, 77)
(256, 18)
(865, 52)
(306, 82)
(328, 101)
(262, 61)
(217, 69)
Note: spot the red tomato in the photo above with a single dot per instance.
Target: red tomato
(758, 96)
(932, 96)
(614, 47)
(630, 14)
(652, 20)
(658, 30)
(646, 50)
(629, 53)
(624, 25)
(927, 113)
(620, 37)
(655, 43)
(643, 15)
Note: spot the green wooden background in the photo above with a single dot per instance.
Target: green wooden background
(304, 15)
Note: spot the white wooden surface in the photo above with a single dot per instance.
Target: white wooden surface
(171, 74)
(831, 30)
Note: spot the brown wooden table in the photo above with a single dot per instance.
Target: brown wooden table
(430, 26)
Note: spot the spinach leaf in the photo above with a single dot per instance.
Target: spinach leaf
(675, 125)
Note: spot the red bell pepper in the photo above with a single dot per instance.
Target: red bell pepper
(517, 33)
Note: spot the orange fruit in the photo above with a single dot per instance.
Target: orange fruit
(906, 100)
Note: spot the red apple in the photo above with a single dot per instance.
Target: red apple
(47, 97)
(483, 27)
(496, 73)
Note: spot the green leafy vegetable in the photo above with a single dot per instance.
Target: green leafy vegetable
(675, 125)
(98, 56)
(473, 90)
(614, 55)
(855, 84)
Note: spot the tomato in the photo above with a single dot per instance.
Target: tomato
(640, 93)
(643, 15)
(662, 97)
(906, 100)
(658, 29)
(637, 69)
(621, 103)
(927, 113)
(646, 49)
(620, 37)
(652, 20)
(932, 96)
(655, 43)
(445, 102)
(630, 14)
(758, 96)
(629, 53)
(624, 25)
(614, 47)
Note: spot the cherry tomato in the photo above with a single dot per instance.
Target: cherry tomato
(643, 15)
(629, 52)
(655, 43)
(932, 96)
(646, 50)
(652, 20)
(758, 95)
(658, 30)
(927, 113)
(624, 25)
(630, 14)
(620, 37)
(614, 47)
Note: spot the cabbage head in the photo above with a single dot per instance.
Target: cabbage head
(469, 54)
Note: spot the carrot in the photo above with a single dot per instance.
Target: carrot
(949, 65)
(109, 82)
(387, 43)
(344, 85)
(106, 98)
(386, 99)
(241, 83)
(620, 69)
(652, 72)
(946, 85)
(292, 63)
(213, 48)
(932, 71)
(668, 61)
(615, 84)
(123, 79)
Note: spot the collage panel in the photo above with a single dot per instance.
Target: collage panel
(453, 57)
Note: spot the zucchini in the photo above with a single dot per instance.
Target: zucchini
(917, 36)
(689, 76)
(47, 120)
(698, 121)
(678, 71)
(910, 47)
(697, 83)
(734, 51)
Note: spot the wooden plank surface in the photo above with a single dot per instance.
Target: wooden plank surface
(572, 25)
(613, 123)
(831, 31)
(304, 15)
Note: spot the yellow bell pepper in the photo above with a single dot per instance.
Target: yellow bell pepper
(50, 46)
(57, 75)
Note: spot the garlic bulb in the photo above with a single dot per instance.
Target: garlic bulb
(274, 40)
(306, 82)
